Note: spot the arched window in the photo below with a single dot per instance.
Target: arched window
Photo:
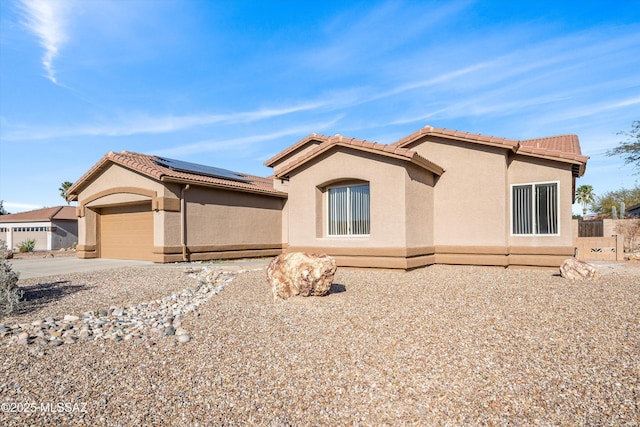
(348, 210)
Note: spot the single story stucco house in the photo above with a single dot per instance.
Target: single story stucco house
(52, 228)
(436, 196)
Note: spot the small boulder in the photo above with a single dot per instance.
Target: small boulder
(574, 269)
(298, 273)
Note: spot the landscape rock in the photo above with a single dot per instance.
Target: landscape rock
(298, 273)
(159, 317)
(574, 269)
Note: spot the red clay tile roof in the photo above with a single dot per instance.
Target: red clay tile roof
(44, 214)
(361, 145)
(147, 165)
(454, 134)
(564, 148)
(304, 141)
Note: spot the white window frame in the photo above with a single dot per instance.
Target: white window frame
(533, 209)
(328, 209)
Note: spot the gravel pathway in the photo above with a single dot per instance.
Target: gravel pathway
(442, 345)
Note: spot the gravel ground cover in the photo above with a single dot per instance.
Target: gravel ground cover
(444, 345)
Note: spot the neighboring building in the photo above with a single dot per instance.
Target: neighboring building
(634, 211)
(52, 228)
(137, 206)
(436, 196)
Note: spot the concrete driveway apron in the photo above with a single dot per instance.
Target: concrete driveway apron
(41, 267)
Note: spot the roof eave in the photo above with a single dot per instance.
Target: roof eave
(309, 138)
(427, 164)
(415, 159)
(103, 163)
(25, 220)
(411, 140)
(574, 159)
(72, 192)
(274, 193)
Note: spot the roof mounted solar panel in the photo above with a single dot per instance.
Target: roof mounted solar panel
(195, 168)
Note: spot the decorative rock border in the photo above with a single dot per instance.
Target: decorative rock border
(141, 323)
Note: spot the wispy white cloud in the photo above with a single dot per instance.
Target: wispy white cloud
(356, 37)
(245, 141)
(598, 108)
(134, 124)
(47, 20)
(437, 80)
(548, 75)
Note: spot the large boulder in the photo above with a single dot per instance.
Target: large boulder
(574, 269)
(298, 273)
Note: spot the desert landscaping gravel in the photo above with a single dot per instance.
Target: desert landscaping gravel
(443, 345)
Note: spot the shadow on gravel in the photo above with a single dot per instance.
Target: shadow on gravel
(40, 294)
(337, 288)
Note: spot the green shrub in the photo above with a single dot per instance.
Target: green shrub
(27, 245)
(10, 293)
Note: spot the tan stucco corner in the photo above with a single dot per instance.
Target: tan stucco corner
(86, 251)
(170, 204)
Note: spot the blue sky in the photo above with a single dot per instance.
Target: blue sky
(230, 83)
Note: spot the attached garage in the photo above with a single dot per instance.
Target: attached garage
(126, 232)
(144, 207)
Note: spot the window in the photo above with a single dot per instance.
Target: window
(534, 208)
(349, 210)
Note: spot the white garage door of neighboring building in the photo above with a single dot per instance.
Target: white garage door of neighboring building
(126, 232)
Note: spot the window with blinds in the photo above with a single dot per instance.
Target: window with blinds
(349, 211)
(534, 208)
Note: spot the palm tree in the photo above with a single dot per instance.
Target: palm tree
(64, 187)
(584, 196)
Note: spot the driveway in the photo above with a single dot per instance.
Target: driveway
(40, 267)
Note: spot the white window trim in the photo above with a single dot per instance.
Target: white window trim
(349, 236)
(533, 184)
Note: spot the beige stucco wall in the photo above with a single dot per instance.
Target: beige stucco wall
(419, 212)
(221, 217)
(527, 170)
(391, 188)
(117, 176)
(469, 197)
